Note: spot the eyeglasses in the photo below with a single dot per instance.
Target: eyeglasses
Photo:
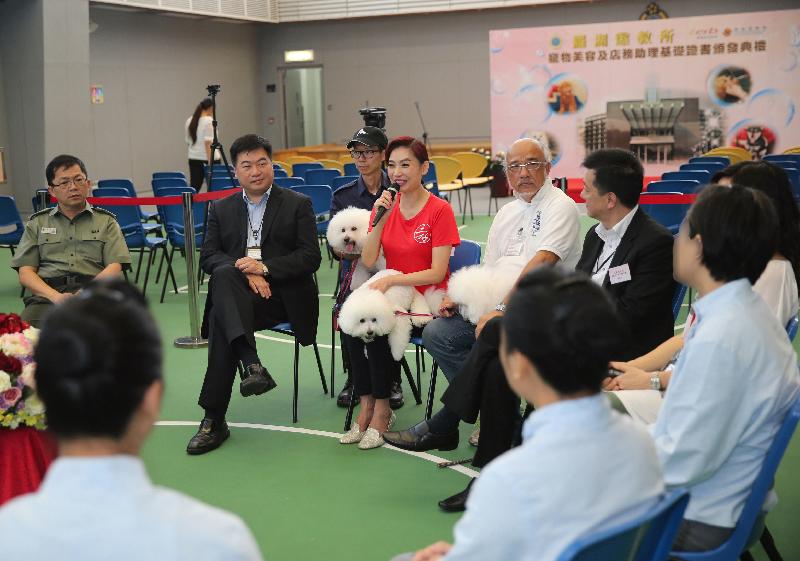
(77, 181)
(530, 166)
(356, 154)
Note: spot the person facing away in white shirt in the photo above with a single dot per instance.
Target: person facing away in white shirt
(777, 285)
(737, 373)
(532, 502)
(98, 373)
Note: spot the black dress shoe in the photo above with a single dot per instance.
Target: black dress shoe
(419, 438)
(210, 436)
(458, 502)
(396, 400)
(343, 400)
(256, 380)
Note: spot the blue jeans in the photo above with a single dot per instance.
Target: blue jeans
(449, 340)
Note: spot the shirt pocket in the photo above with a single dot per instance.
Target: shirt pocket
(90, 248)
(52, 248)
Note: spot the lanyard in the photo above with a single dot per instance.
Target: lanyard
(256, 233)
(603, 264)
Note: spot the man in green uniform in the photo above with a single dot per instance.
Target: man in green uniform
(65, 247)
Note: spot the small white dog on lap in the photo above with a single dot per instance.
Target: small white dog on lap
(347, 232)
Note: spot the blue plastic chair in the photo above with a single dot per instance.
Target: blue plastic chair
(288, 182)
(9, 216)
(747, 528)
(791, 328)
(711, 167)
(160, 182)
(715, 159)
(430, 176)
(127, 184)
(279, 172)
(168, 175)
(220, 183)
(670, 215)
(700, 176)
(677, 300)
(342, 180)
(673, 186)
(467, 253)
(646, 538)
(110, 192)
(321, 197)
(794, 179)
(350, 169)
(174, 191)
(783, 158)
(299, 170)
(172, 219)
(321, 176)
(137, 239)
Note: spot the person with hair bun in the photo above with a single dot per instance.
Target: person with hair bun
(534, 501)
(417, 235)
(99, 373)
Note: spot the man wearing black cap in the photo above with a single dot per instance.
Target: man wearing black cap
(366, 147)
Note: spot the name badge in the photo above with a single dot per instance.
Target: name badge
(621, 273)
(254, 253)
(514, 248)
(48, 230)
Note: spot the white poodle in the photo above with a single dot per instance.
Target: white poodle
(347, 232)
(478, 289)
(368, 313)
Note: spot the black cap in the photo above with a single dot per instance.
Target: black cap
(369, 136)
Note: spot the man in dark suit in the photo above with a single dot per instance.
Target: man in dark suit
(632, 260)
(628, 253)
(261, 251)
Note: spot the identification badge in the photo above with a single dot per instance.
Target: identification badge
(48, 230)
(514, 248)
(254, 253)
(621, 273)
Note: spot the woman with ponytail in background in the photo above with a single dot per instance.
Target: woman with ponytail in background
(198, 137)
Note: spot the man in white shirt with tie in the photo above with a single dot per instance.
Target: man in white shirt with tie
(736, 376)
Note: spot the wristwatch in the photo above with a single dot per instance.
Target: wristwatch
(265, 271)
(500, 307)
(655, 382)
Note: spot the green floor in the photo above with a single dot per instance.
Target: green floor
(305, 496)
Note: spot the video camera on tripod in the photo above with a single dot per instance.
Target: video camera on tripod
(374, 117)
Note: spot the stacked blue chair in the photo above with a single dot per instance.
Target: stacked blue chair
(350, 169)
(279, 172)
(342, 180)
(137, 239)
(715, 159)
(668, 215)
(712, 167)
(299, 170)
(220, 183)
(321, 197)
(288, 182)
(647, 537)
(9, 216)
(701, 176)
(168, 174)
(774, 158)
(172, 218)
(160, 182)
(673, 186)
(751, 526)
(321, 176)
(110, 192)
(127, 184)
(175, 191)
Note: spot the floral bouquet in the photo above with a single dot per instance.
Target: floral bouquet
(19, 404)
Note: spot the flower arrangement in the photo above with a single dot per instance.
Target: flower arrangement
(19, 404)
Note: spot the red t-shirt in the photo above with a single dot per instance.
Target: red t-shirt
(408, 244)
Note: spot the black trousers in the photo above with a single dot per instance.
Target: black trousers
(372, 367)
(196, 174)
(481, 387)
(236, 311)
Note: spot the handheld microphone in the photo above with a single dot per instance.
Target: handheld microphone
(393, 189)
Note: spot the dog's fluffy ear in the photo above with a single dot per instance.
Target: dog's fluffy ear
(399, 337)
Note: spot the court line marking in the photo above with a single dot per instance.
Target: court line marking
(300, 430)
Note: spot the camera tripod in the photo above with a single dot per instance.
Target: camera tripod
(213, 90)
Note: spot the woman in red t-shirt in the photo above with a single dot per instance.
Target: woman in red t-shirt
(417, 235)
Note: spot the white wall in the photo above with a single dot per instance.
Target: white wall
(440, 60)
(155, 69)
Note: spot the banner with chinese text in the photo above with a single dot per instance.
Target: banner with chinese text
(665, 89)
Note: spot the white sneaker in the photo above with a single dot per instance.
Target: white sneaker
(355, 434)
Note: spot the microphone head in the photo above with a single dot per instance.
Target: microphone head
(394, 188)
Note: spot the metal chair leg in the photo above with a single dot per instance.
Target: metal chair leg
(147, 271)
(333, 352)
(319, 367)
(410, 378)
(348, 418)
(296, 378)
(768, 543)
(431, 391)
(138, 266)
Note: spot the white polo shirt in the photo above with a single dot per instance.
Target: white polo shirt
(550, 222)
